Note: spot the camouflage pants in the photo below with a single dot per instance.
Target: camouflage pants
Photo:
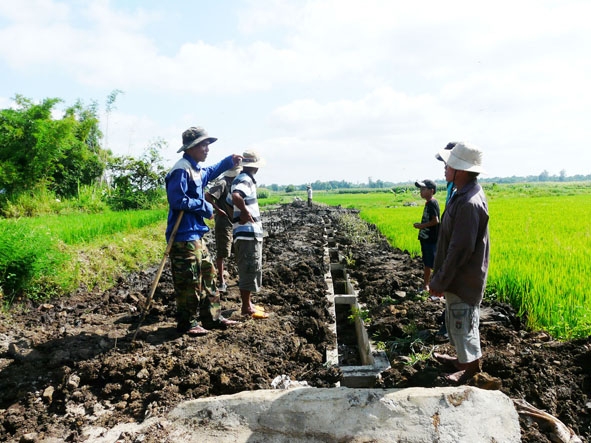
(194, 278)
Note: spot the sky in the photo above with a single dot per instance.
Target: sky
(352, 90)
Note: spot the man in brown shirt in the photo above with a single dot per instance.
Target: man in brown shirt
(461, 260)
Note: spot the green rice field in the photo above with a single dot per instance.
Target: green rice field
(540, 247)
(39, 256)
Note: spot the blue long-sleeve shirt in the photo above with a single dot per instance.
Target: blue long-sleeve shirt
(185, 185)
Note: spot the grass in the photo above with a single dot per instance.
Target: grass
(46, 256)
(82, 228)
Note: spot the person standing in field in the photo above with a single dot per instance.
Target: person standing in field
(428, 227)
(442, 333)
(309, 188)
(248, 233)
(461, 260)
(218, 197)
(193, 273)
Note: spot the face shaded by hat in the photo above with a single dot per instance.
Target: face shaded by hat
(463, 157)
(193, 136)
(429, 184)
(252, 159)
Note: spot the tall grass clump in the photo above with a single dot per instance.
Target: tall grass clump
(357, 230)
(37, 201)
(31, 263)
(42, 201)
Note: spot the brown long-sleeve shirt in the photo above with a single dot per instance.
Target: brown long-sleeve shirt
(463, 246)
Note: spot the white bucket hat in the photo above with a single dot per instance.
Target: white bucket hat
(463, 157)
(252, 159)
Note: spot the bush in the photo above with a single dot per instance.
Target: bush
(263, 193)
(29, 261)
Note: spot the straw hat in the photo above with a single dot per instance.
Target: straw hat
(252, 159)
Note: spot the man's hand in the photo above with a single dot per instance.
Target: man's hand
(237, 159)
(245, 217)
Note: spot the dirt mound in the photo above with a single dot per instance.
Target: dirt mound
(71, 363)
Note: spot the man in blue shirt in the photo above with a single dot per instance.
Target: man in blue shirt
(193, 273)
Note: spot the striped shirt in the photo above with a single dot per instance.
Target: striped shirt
(245, 184)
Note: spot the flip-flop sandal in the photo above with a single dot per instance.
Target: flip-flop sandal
(220, 323)
(257, 315)
(258, 308)
(197, 331)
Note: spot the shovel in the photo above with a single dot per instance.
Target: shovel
(159, 273)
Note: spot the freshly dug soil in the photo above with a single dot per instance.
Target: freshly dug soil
(70, 363)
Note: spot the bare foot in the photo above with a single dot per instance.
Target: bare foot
(465, 373)
(462, 376)
(457, 377)
(257, 315)
(447, 360)
(252, 309)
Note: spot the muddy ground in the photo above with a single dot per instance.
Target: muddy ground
(70, 363)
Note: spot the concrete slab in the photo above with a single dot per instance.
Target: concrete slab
(444, 415)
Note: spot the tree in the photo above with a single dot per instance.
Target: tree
(544, 176)
(37, 150)
(138, 183)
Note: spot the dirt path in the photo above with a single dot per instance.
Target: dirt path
(70, 363)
